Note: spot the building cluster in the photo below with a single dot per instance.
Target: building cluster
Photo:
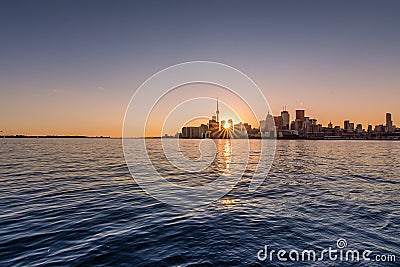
(307, 128)
(220, 129)
(302, 127)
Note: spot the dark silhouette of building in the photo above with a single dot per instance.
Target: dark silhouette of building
(389, 123)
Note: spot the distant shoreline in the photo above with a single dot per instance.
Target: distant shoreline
(54, 136)
(155, 137)
(309, 139)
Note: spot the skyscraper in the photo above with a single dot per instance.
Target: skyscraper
(285, 120)
(269, 123)
(346, 125)
(300, 115)
(300, 119)
(278, 122)
(389, 123)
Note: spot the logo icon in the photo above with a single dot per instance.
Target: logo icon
(160, 166)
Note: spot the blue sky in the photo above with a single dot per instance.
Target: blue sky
(70, 67)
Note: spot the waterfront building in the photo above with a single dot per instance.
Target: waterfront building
(346, 125)
(389, 123)
(285, 120)
(278, 122)
(300, 115)
(351, 127)
(359, 129)
(213, 125)
(191, 132)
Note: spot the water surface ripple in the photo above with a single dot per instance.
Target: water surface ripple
(73, 202)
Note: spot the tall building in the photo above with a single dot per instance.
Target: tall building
(269, 123)
(278, 122)
(300, 115)
(346, 125)
(300, 119)
(285, 120)
(389, 123)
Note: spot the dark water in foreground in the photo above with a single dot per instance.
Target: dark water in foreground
(73, 202)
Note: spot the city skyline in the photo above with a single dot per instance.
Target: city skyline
(382, 122)
(281, 126)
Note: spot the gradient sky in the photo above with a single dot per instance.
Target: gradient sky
(70, 67)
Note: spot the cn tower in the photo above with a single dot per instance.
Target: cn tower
(217, 113)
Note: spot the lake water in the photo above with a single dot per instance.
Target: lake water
(73, 202)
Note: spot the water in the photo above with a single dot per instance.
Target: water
(73, 202)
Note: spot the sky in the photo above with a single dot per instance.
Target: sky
(71, 67)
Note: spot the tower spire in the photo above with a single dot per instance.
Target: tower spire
(217, 113)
